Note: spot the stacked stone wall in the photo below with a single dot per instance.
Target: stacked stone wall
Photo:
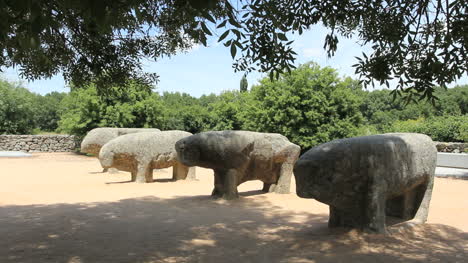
(69, 143)
(39, 143)
(452, 147)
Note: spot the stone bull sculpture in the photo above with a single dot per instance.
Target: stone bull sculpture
(240, 156)
(96, 138)
(363, 179)
(140, 153)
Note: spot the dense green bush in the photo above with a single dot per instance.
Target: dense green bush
(47, 115)
(183, 112)
(407, 126)
(310, 106)
(446, 128)
(381, 110)
(444, 121)
(131, 106)
(18, 109)
(439, 128)
(455, 98)
(226, 111)
(24, 112)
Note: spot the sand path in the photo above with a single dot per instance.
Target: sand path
(59, 208)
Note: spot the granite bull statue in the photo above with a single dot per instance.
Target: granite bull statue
(96, 138)
(240, 156)
(364, 179)
(140, 153)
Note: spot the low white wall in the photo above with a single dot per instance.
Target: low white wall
(455, 160)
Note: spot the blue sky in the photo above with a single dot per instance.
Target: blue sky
(205, 70)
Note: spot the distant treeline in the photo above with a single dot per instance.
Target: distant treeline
(310, 106)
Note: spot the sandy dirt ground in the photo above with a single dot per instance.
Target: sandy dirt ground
(60, 208)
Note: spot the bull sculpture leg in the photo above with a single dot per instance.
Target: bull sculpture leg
(268, 187)
(182, 172)
(144, 174)
(423, 193)
(287, 159)
(226, 184)
(134, 175)
(335, 218)
(408, 207)
(374, 212)
(414, 204)
(344, 218)
(284, 180)
(218, 185)
(230, 185)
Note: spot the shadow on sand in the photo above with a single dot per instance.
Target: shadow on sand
(200, 229)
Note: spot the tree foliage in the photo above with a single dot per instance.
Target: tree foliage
(443, 121)
(418, 43)
(244, 85)
(99, 41)
(310, 106)
(183, 112)
(47, 115)
(439, 128)
(17, 109)
(226, 112)
(381, 110)
(130, 106)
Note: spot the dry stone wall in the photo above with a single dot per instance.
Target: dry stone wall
(38, 143)
(69, 143)
(452, 147)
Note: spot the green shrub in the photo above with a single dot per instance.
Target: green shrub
(130, 106)
(407, 126)
(440, 128)
(463, 131)
(312, 105)
(366, 130)
(47, 116)
(17, 109)
(183, 112)
(447, 128)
